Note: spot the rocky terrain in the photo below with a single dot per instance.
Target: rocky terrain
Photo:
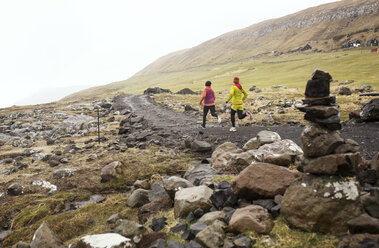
(155, 179)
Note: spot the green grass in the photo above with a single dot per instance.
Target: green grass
(290, 70)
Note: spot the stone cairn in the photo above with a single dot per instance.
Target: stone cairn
(323, 200)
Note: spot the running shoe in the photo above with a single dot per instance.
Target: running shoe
(233, 129)
(219, 119)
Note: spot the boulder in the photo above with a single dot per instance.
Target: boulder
(212, 236)
(344, 91)
(285, 146)
(153, 208)
(129, 228)
(364, 224)
(252, 144)
(157, 192)
(370, 111)
(318, 141)
(262, 180)
(15, 189)
(62, 173)
(105, 240)
(337, 202)
(371, 202)
(327, 100)
(138, 198)
(190, 199)
(221, 154)
(251, 218)
(112, 171)
(201, 146)
(174, 244)
(278, 159)
(347, 164)
(142, 184)
(197, 173)
(320, 74)
(45, 237)
(175, 183)
(186, 91)
(319, 111)
(267, 137)
(349, 145)
(359, 241)
(211, 217)
(156, 90)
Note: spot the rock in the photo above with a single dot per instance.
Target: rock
(364, 88)
(364, 224)
(371, 202)
(193, 244)
(153, 208)
(239, 161)
(261, 180)
(197, 173)
(265, 203)
(159, 243)
(359, 241)
(223, 198)
(370, 111)
(201, 146)
(21, 244)
(318, 141)
(337, 202)
(189, 199)
(212, 236)
(251, 218)
(347, 164)
(221, 154)
(186, 91)
(211, 217)
(278, 159)
(15, 189)
(252, 144)
(155, 90)
(4, 234)
(193, 230)
(157, 192)
(198, 213)
(105, 240)
(332, 122)
(175, 183)
(128, 228)
(327, 100)
(158, 224)
(45, 237)
(349, 145)
(113, 219)
(141, 184)
(138, 198)
(344, 91)
(242, 241)
(181, 227)
(267, 137)
(285, 146)
(92, 157)
(174, 244)
(112, 171)
(62, 173)
(319, 111)
(346, 82)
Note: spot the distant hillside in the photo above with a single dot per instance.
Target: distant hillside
(325, 27)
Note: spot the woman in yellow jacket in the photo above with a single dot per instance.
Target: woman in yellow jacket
(235, 94)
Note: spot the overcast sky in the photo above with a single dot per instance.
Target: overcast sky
(64, 43)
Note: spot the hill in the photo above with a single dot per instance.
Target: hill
(324, 28)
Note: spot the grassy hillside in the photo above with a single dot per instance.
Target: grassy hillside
(291, 70)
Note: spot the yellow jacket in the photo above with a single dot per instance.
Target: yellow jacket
(236, 95)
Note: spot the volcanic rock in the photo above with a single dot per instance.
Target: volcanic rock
(251, 218)
(189, 199)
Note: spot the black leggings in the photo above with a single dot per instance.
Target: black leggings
(211, 108)
(240, 113)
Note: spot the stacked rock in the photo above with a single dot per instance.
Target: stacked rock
(322, 200)
(319, 105)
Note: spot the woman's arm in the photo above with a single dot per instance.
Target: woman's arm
(244, 94)
(202, 98)
(231, 94)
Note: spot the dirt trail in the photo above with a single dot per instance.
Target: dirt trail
(366, 134)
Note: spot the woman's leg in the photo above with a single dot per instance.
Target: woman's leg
(241, 114)
(233, 117)
(213, 111)
(205, 112)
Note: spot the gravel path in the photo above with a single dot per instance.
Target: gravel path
(366, 134)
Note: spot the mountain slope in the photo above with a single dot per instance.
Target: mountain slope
(325, 27)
